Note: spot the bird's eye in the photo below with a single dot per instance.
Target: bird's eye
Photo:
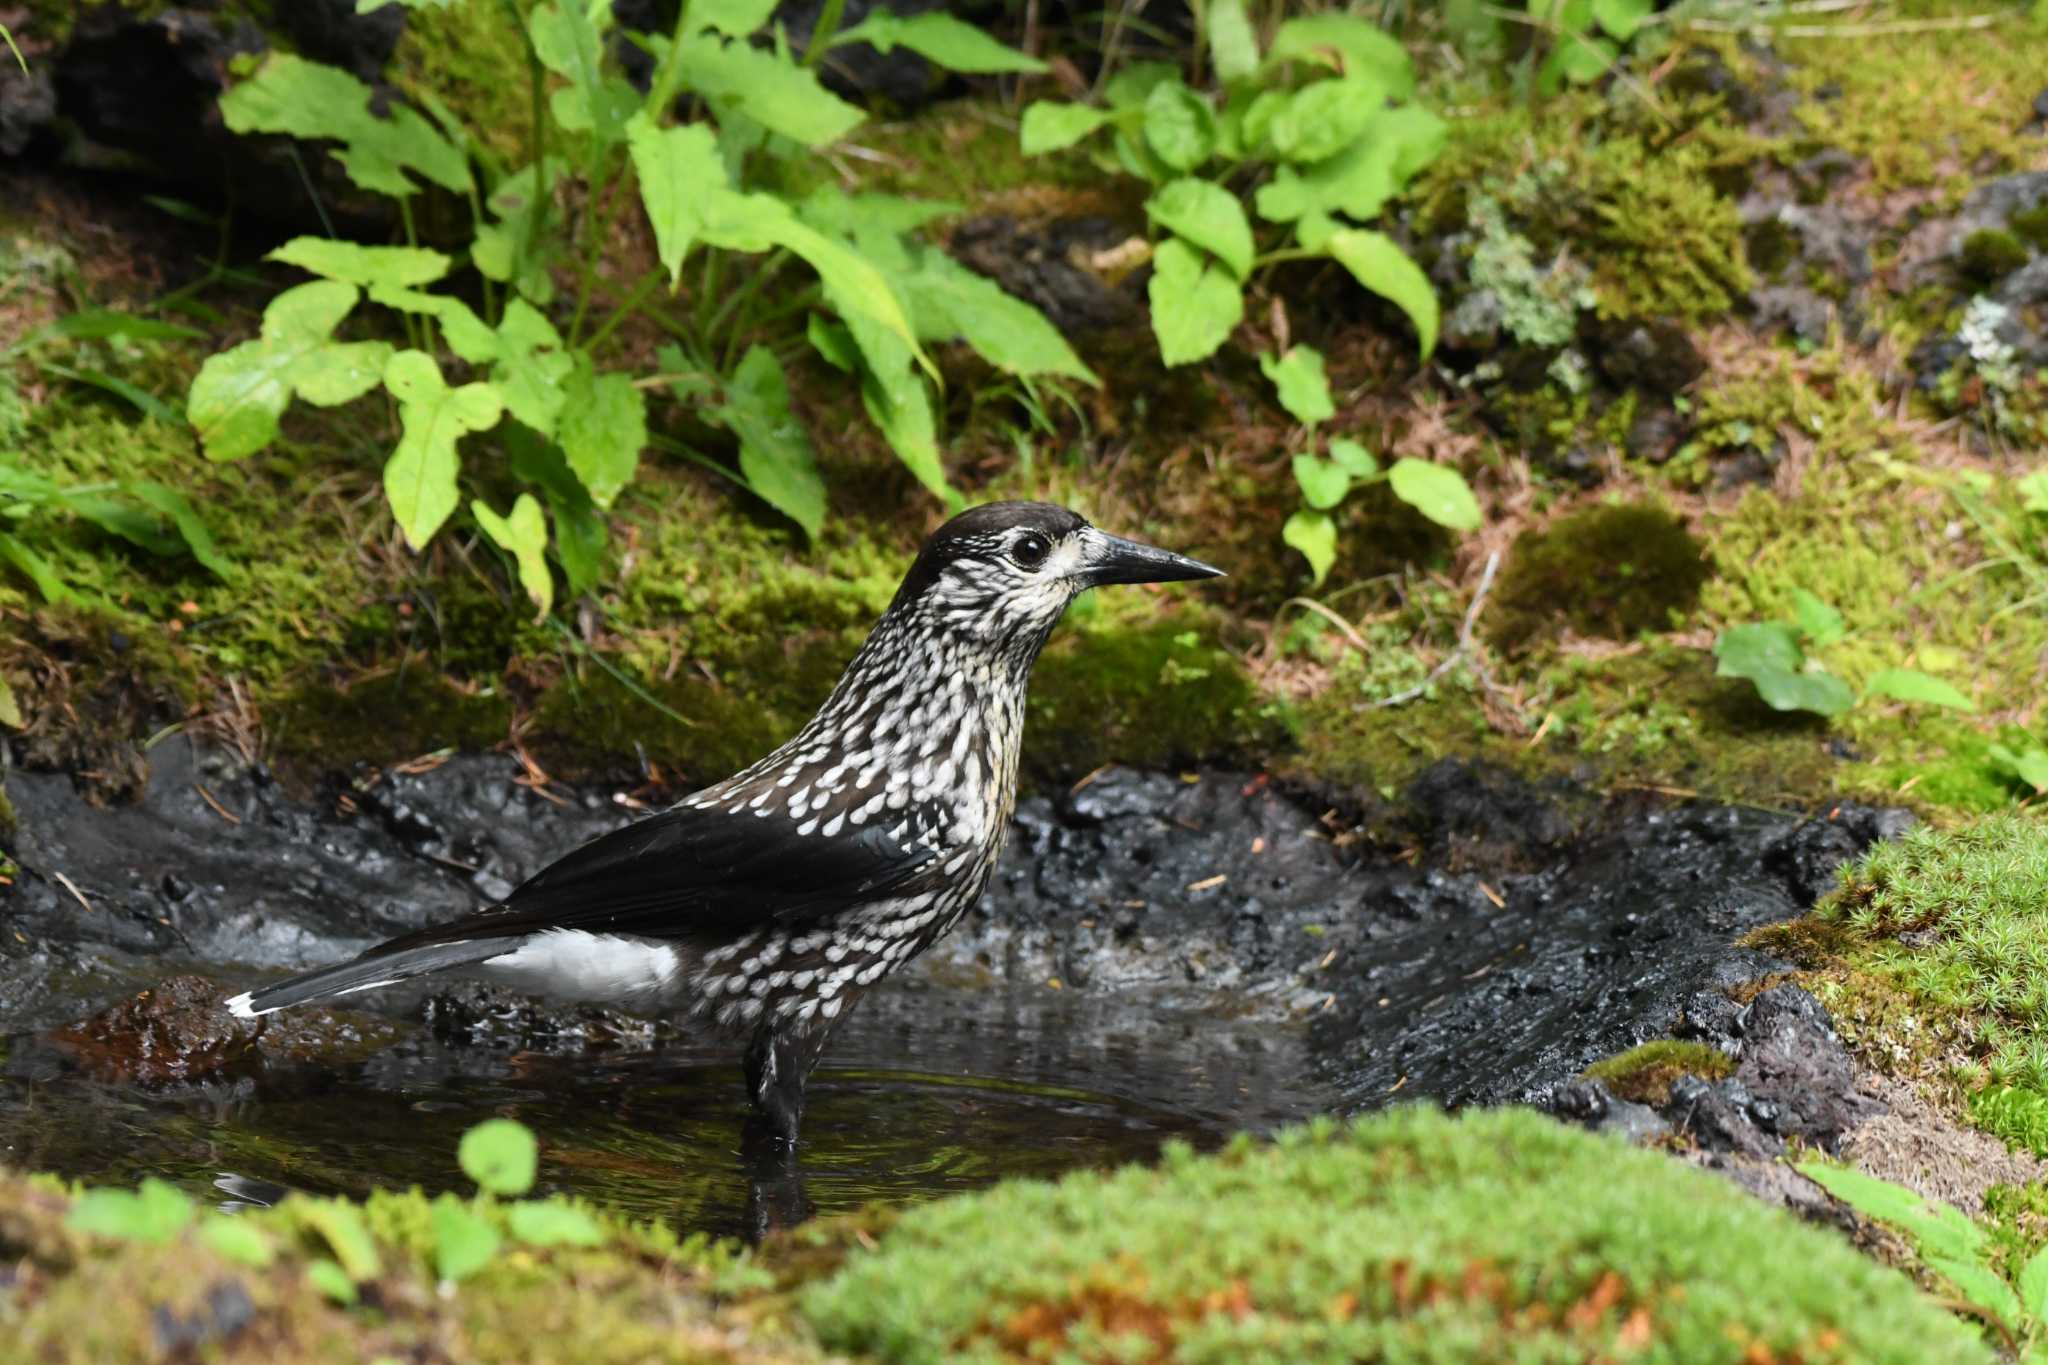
(1031, 550)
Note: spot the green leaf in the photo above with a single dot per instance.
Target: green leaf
(942, 39)
(776, 458)
(1868, 1195)
(1580, 59)
(734, 18)
(98, 324)
(331, 1280)
(154, 1211)
(1315, 535)
(1820, 623)
(340, 1225)
(1381, 266)
(238, 395)
(143, 400)
(1348, 45)
(2033, 491)
(399, 266)
(580, 532)
(1233, 46)
(896, 399)
(464, 1241)
(553, 1225)
(191, 529)
(36, 569)
(1325, 118)
(1354, 458)
(500, 1155)
(10, 709)
(948, 300)
(569, 42)
(1207, 215)
(2033, 1286)
(679, 168)
(1130, 88)
(524, 536)
(1049, 127)
(1304, 390)
(524, 351)
(1621, 18)
(1179, 126)
(1768, 655)
(833, 343)
(1360, 180)
(1323, 482)
(510, 250)
(125, 520)
(235, 1239)
(419, 478)
(304, 99)
(1910, 684)
(602, 429)
(2029, 764)
(1195, 303)
(831, 209)
(1980, 1286)
(1437, 491)
(766, 87)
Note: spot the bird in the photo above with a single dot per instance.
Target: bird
(769, 903)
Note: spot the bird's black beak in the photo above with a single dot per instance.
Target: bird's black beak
(1112, 559)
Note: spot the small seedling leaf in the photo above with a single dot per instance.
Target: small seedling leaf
(1207, 215)
(464, 1241)
(524, 536)
(1050, 127)
(1179, 126)
(1355, 458)
(1303, 387)
(1380, 265)
(1315, 535)
(331, 1280)
(1911, 685)
(500, 1155)
(2029, 764)
(602, 429)
(154, 1211)
(1437, 491)
(1820, 623)
(1323, 482)
(420, 476)
(237, 1240)
(547, 1224)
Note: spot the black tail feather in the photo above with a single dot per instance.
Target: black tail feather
(367, 973)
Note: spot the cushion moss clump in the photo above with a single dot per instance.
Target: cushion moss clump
(1989, 256)
(384, 719)
(1406, 1236)
(1645, 1073)
(1606, 571)
(1959, 919)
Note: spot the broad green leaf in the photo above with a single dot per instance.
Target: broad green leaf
(1359, 180)
(524, 536)
(679, 170)
(2033, 1286)
(767, 87)
(510, 250)
(36, 569)
(602, 429)
(1744, 650)
(1820, 623)
(1868, 1195)
(1437, 491)
(1621, 18)
(1303, 387)
(1910, 684)
(419, 478)
(1256, 132)
(1325, 118)
(940, 38)
(1980, 1286)
(894, 394)
(1233, 47)
(401, 266)
(569, 42)
(553, 1225)
(831, 209)
(500, 1155)
(237, 1240)
(2028, 763)
(1323, 482)
(1207, 215)
(580, 531)
(776, 457)
(948, 300)
(1810, 690)
(1381, 266)
(1354, 458)
(331, 1280)
(155, 1211)
(1130, 88)
(1179, 127)
(191, 529)
(464, 1241)
(1578, 59)
(1048, 127)
(1348, 45)
(305, 99)
(2033, 491)
(734, 18)
(528, 363)
(238, 395)
(1315, 535)
(1195, 303)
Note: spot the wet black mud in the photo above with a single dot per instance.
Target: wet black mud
(1161, 956)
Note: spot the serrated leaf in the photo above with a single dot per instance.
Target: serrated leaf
(1207, 215)
(1376, 262)
(420, 476)
(767, 88)
(1819, 622)
(524, 536)
(679, 169)
(602, 429)
(1348, 45)
(1354, 458)
(398, 266)
(734, 18)
(1195, 303)
(947, 301)
(1867, 1194)
(1233, 46)
(1621, 18)
(1179, 126)
(567, 39)
(1303, 387)
(554, 1225)
(1323, 482)
(238, 395)
(941, 39)
(1049, 126)
(1315, 536)
(1437, 491)
(305, 99)
(776, 457)
(1911, 685)
(191, 529)
(464, 1242)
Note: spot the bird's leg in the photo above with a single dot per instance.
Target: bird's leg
(779, 1062)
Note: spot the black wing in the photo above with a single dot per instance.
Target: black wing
(697, 874)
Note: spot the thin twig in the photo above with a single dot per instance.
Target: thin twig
(1464, 638)
(72, 887)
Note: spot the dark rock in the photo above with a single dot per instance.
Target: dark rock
(1592, 1105)
(1801, 1078)
(1066, 268)
(1714, 1116)
(176, 1031)
(1656, 432)
(1656, 357)
(331, 31)
(148, 85)
(1810, 856)
(28, 105)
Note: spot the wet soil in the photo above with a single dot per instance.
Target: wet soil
(1161, 956)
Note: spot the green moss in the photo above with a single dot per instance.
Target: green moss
(471, 58)
(1645, 1073)
(2014, 1113)
(1404, 1236)
(1608, 571)
(397, 715)
(1989, 256)
(2031, 226)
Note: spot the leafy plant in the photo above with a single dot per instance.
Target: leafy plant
(150, 516)
(1775, 657)
(1318, 130)
(1954, 1248)
(755, 270)
(1437, 491)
